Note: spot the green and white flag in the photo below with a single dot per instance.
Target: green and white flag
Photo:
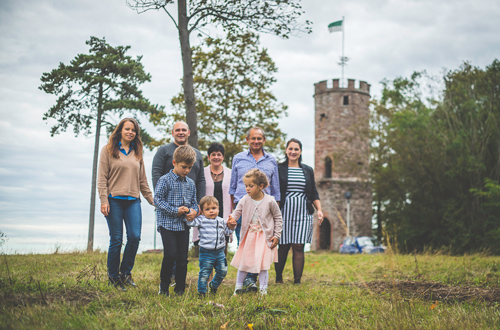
(335, 26)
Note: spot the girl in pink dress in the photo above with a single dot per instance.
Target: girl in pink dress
(260, 228)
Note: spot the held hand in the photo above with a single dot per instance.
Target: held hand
(231, 223)
(320, 217)
(183, 210)
(275, 242)
(191, 215)
(105, 209)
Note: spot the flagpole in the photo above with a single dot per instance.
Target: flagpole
(335, 27)
(343, 24)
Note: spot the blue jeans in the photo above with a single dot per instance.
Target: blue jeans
(237, 231)
(128, 211)
(210, 259)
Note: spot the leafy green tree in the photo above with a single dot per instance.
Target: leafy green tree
(490, 209)
(92, 88)
(277, 17)
(470, 117)
(430, 157)
(233, 77)
(386, 172)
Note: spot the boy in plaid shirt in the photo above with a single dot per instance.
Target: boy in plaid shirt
(175, 202)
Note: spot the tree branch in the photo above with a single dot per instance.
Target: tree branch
(171, 17)
(195, 25)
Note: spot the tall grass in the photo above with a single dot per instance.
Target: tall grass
(337, 292)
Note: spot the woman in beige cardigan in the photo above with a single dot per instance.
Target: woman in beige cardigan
(121, 178)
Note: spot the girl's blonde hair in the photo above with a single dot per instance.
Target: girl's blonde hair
(258, 177)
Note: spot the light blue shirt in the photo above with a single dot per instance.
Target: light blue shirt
(243, 162)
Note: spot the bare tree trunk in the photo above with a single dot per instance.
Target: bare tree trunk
(379, 220)
(90, 243)
(187, 65)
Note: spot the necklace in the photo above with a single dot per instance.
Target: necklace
(216, 175)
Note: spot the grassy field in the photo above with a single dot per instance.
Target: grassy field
(429, 291)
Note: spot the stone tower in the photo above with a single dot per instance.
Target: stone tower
(342, 162)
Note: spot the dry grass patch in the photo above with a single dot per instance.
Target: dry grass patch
(73, 296)
(433, 291)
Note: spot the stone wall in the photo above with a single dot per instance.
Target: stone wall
(334, 204)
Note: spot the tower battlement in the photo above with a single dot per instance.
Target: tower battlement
(321, 87)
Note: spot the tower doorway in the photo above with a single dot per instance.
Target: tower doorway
(325, 234)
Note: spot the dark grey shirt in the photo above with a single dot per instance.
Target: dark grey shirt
(162, 164)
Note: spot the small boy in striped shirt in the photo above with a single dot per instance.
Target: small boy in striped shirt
(212, 232)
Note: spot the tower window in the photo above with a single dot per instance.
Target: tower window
(328, 167)
(345, 100)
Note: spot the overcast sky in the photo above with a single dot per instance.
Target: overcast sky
(45, 181)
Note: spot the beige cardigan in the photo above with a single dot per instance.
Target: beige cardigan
(269, 215)
(124, 176)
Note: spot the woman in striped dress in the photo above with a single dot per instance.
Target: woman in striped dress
(298, 196)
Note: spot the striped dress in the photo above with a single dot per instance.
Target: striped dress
(297, 222)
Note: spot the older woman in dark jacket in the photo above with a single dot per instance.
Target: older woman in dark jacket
(299, 199)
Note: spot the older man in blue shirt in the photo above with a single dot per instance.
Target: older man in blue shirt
(255, 157)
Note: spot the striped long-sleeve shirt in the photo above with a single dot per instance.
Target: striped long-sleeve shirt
(213, 232)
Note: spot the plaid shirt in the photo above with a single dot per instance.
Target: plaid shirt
(242, 163)
(173, 191)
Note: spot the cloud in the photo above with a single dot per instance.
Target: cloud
(45, 181)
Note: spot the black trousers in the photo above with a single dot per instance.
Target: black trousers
(175, 250)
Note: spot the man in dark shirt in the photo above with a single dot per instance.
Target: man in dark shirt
(162, 161)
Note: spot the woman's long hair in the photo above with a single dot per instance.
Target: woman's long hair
(300, 146)
(116, 136)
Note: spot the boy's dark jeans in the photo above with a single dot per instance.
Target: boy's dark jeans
(175, 250)
(209, 260)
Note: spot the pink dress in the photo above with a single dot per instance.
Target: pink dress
(254, 253)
